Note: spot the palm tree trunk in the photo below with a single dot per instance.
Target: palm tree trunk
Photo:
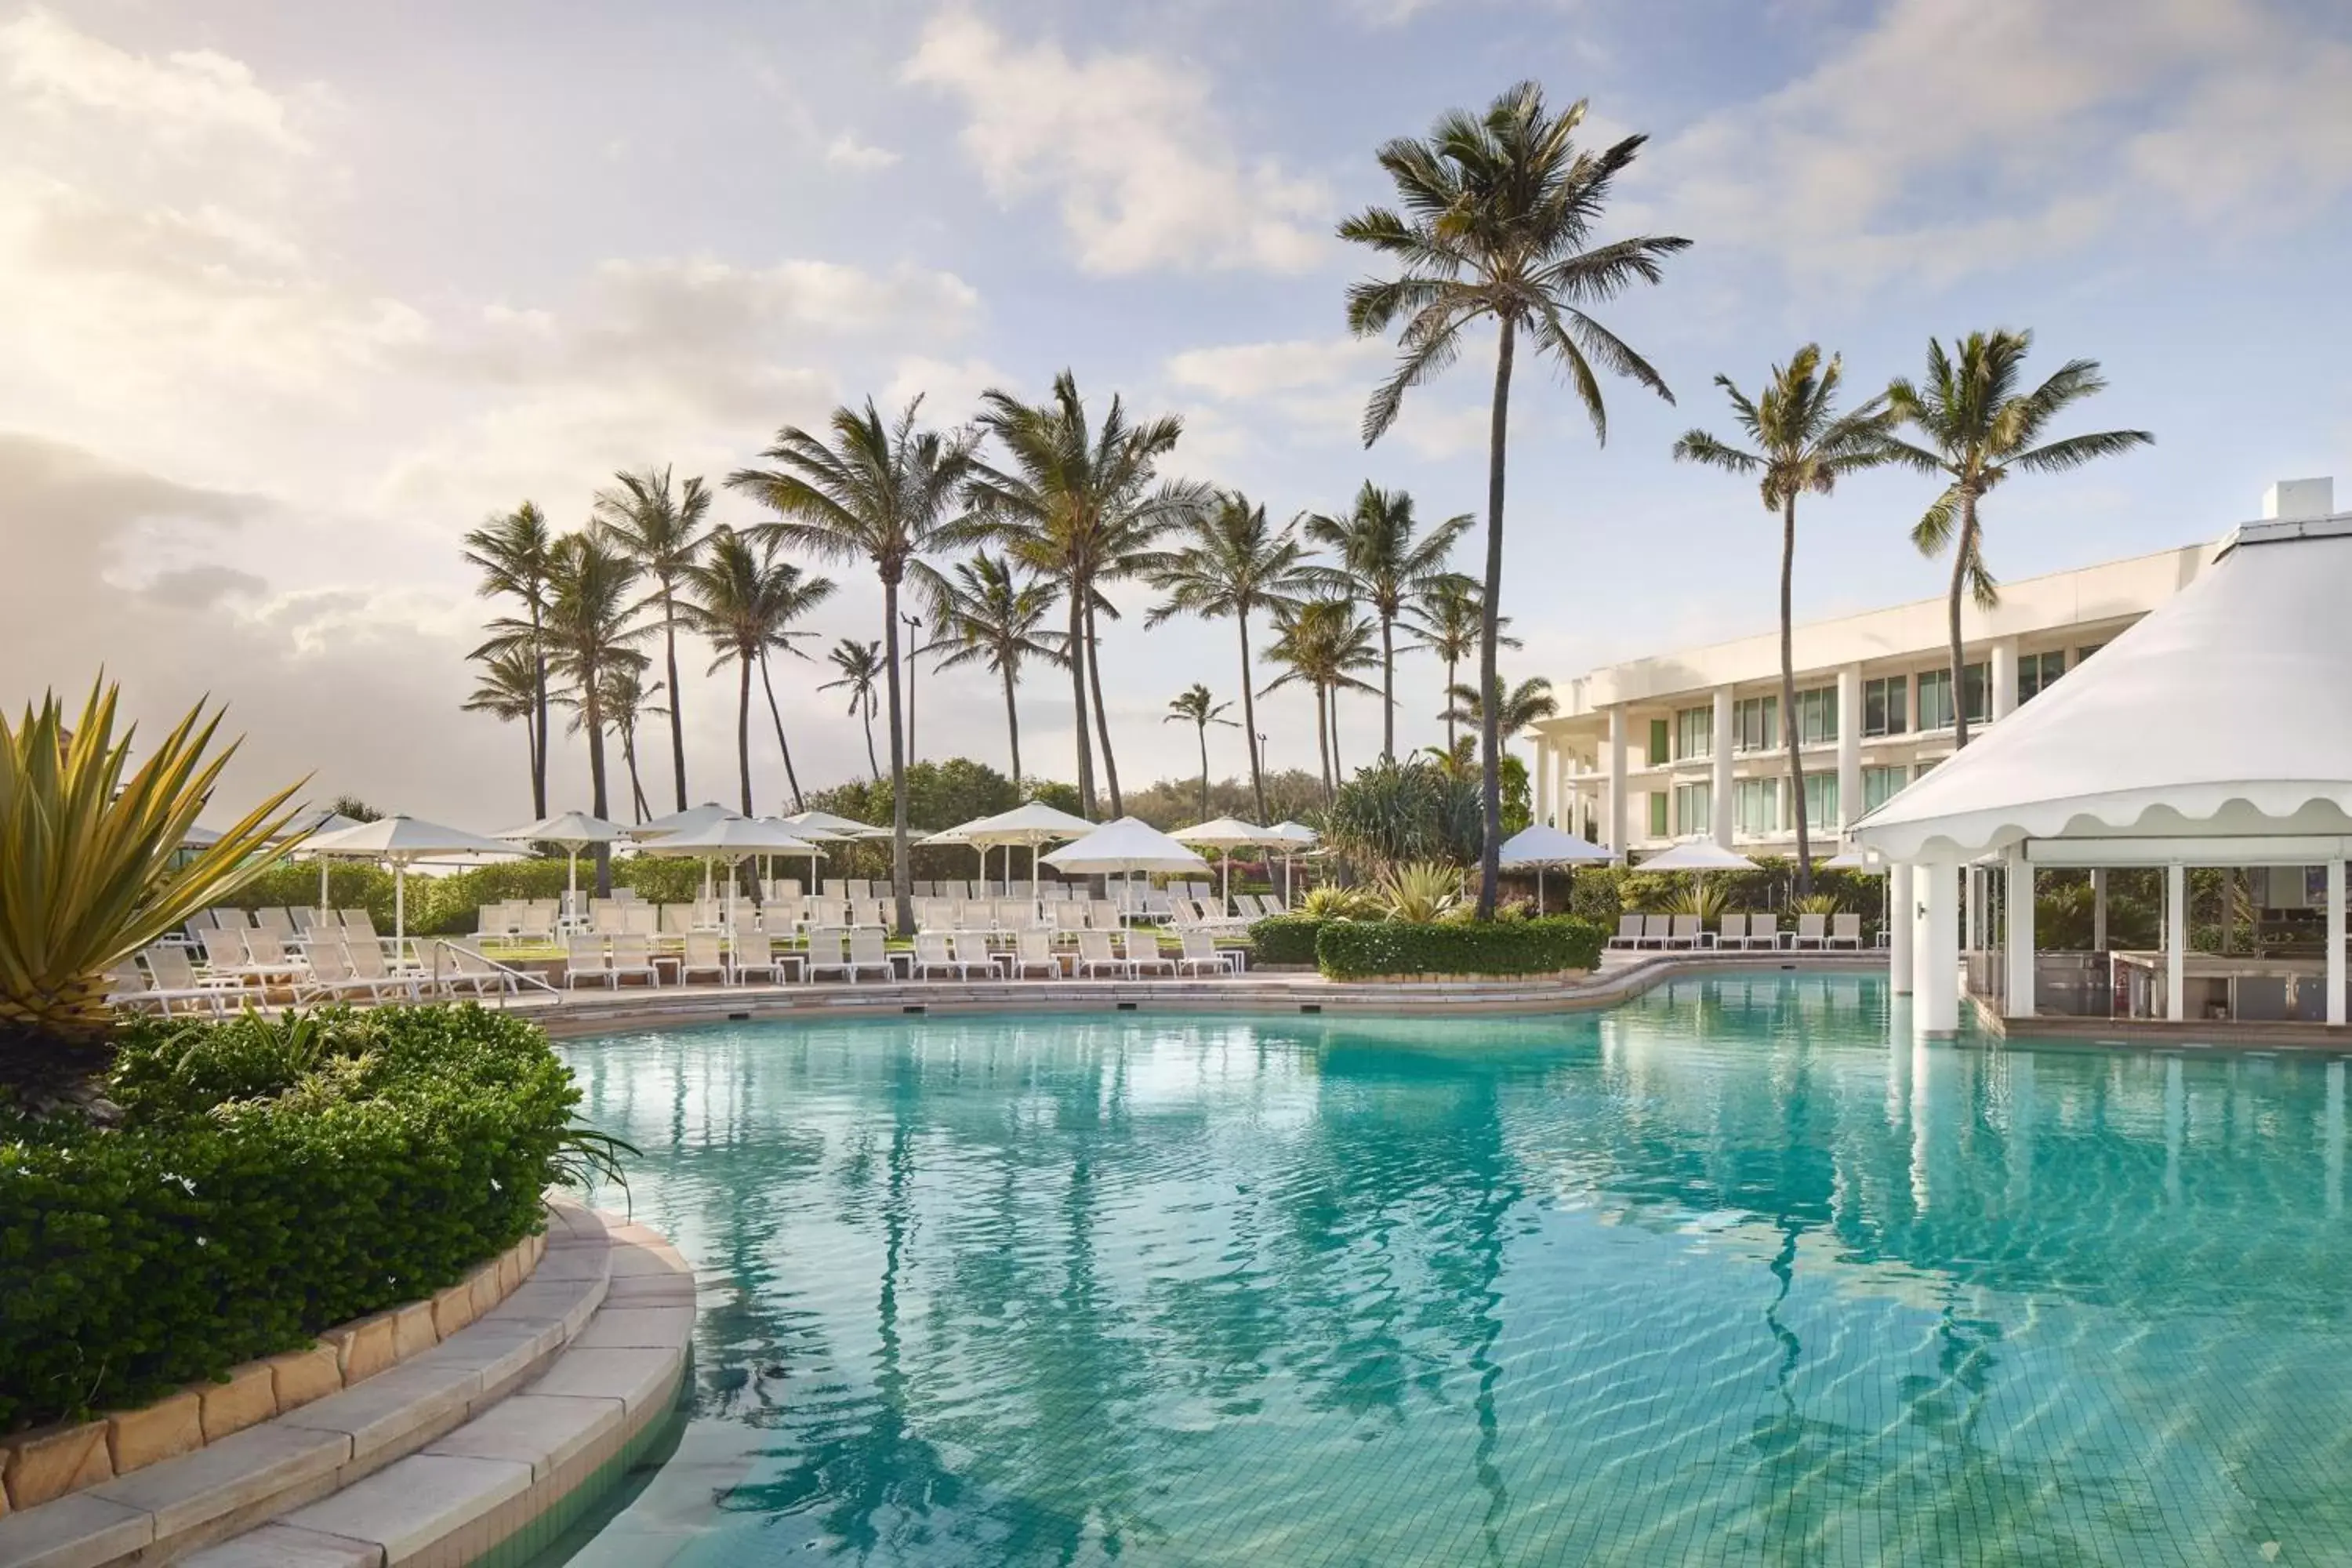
(1451, 680)
(1960, 551)
(911, 654)
(591, 710)
(1078, 660)
(539, 718)
(742, 726)
(1789, 698)
(1102, 716)
(872, 766)
(1249, 721)
(904, 912)
(1012, 729)
(776, 714)
(1338, 767)
(1203, 728)
(1323, 736)
(1490, 772)
(1388, 690)
(640, 809)
(676, 717)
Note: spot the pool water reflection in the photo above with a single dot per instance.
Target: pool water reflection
(1721, 1276)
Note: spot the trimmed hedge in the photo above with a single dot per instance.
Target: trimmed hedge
(1361, 950)
(266, 1181)
(1285, 938)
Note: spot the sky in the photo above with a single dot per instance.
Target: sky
(297, 295)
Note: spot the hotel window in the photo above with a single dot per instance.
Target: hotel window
(1924, 769)
(2083, 653)
(1694, 733)
(1756, 807)
(1658, 813)
(1821, 801)
(1756, 723)
(1817, 717)
(1693, 809)
(1934, 699)
(1980, 690)
(1659, 754)
(2036, 672)
(1887, 705)
(1880, 785)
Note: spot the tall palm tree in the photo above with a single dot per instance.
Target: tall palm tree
(882, 492)
(1497, 225)
(995, 616)
(1975, 426)
(1196, 707)
(662, 532)
(626, 699)
(1382, 564)
(508, 690)
(1231, 562)
(1449, 623)
(1522, 705)
(743, 598)
(1082, 503)
(512, 553)
(860, 664)
(1802, 442)
(1323, 643)
(590, 629)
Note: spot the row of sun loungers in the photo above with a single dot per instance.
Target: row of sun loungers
(853, 955)
(170, 979)
(1738, 932)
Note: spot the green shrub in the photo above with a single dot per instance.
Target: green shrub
(266, 1181)
(1285, 938)
(1358, 949)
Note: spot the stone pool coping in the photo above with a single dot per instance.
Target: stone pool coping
(439, 1460)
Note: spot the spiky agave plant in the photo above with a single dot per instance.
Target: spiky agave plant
(86, 873)
(1420, 891)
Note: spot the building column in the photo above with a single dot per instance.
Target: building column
(2099, 909)
(2336, 942)
(1935, 982)
(1617, 839)
(1901, 916)
(1849, 743)
(1722, 755)
(2021, 934)
(2004, 680)
(2176, 939)
(1543, 780)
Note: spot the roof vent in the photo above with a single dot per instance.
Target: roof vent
(2299, 501)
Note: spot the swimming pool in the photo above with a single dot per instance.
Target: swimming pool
(1718, 1276)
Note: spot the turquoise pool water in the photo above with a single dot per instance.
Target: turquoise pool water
(1722, 1276)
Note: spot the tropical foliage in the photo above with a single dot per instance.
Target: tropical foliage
(1393, 812)
(1389, 565)
(994, 617)
(1196, 706)
(1421, 890)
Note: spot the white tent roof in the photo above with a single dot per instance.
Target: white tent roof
(1031, 823)
(566, 827)
(1543, 844)
(2224, 712)
(1697, 854)
(403, 838)
(1227, 833)
(1127, 845)
(735, 835)
(693, 818)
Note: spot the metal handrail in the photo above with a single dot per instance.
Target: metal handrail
(509, 971)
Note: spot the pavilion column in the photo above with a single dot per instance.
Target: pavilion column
(1721, 793)
(1900, 916)
(2003, 695)
(1617, 840)
(2176, 940)
(1849, 743)
(2099, 909)
(2336, 942)
(2020, 881)
(1936, 1000)
(1543, 780)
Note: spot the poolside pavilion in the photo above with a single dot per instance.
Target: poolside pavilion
(2216, 733)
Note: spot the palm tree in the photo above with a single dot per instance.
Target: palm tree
(625, 700)
(1977, 426)
(1082, 504)
(1522, 705)
(1382, 564)
(510, 690)
(1449, 623)
(995, 616)
(1802, 442)
(589, 630)
(1196, 707)
(662, 532)
(744, 600)
(883, 493)
(1232, 563)
(512, 554)
(1497, 225)
(860, 664)
(1323, 643)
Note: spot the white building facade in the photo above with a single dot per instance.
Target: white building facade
(1688, 744)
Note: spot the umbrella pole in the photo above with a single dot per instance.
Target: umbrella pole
(572, 881)
(322, 884)
(399, 909)
(1539, 905)
(1225, 887)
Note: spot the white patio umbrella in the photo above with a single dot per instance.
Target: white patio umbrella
(1544, 846)
(693, 819)
(1034, 824)
(1127, 846)
(815, 838)
(398, 841)
(572, 829)
(1699, 856)
(732, 839)
(1225, 834)
(1297, 838)
(829, 822)
(953, 839)
(313, 821)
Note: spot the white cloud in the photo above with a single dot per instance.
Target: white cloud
(1144, 173)
(184, 96)
(846, 152)
(1256, 370)
(1314, 389)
